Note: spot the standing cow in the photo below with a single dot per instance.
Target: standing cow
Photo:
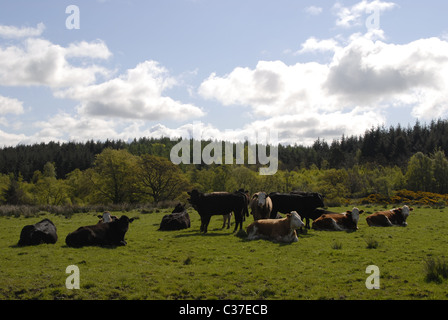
(260, 205)
(219, 203)
(304, 203)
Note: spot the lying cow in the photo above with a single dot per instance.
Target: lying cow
(279, 230)
(394, 217)
(260, 205)
(347, 221)
(106, 217)
(303, 202)
(101, 234)
(177, 220)
(41, 232)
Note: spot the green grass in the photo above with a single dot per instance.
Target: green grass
(220, 265)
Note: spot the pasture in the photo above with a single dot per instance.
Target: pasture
(220, 265)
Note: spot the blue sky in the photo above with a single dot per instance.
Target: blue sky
(308, 69)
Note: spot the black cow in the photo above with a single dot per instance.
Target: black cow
(304, 203)
(177, 220)
(101, 234)
(218, 203)
(41, 232)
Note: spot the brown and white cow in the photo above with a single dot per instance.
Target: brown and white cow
(261, 206)
(280, 230)
(347, 221)
(394, 217)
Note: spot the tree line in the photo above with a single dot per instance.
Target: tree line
(378, 162)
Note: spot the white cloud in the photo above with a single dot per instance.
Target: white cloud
(97, 49)
(12, 32)
(351, 16)
(348, 95)
(313, 10)
(10, 106)
(137, 94)
(38, 62)
(312, 45)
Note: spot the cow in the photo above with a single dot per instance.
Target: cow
(347, 221)
(106, 217)
(42, 232)
(394, 217)
(101, 234)
(260, 205)
(177, 220)
(303, 202)
(219, 203)
(279, 230)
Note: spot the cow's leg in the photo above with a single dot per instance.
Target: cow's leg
(202, 224)
(238, 219)
(307, 226)
(205, 223)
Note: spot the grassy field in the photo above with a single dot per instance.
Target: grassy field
(220, 265)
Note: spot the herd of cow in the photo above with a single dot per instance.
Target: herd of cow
(265, 208)
(268, 224)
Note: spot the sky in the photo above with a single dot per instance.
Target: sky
(125, 69)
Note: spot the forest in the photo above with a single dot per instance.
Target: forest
(375, 165)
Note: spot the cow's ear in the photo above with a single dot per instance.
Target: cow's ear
(411, 209)
(130, 220)
(99, 216)
(189, 193)
(361, 211)
(348, 212)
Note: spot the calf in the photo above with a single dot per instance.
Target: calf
(394, 217)
(280, 230)
(101, 234)
(347, 221)
(226, 219)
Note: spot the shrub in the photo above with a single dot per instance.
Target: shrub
(372, 243)
(336, 245)
(435, 270)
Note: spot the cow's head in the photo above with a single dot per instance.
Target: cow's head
(261, 199)
(402, 214)
(406, 211)
(318, 200)
(123, 223)
(179, 208)
(295, 220)
(354, 214)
